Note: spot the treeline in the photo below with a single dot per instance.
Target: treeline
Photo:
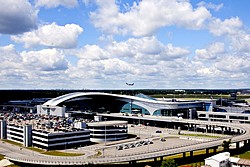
(7, 95)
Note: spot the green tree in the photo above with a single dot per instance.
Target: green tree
(169, 163)
(226, 145)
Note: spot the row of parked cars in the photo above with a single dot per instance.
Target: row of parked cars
(132, 145)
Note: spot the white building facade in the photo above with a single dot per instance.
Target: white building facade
(20, 134)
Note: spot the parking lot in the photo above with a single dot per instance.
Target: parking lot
(149, 140)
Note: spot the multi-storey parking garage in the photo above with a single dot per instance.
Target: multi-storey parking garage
(108, 131)
(20, 134)
(53, 132)
(60, 140)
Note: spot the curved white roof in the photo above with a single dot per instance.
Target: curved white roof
(107, 123)
(150, 104)
(60, 99)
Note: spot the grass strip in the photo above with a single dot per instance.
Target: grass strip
(59, 153)
(51, 152)
(245, 155)
(200, 135)
(12, 142)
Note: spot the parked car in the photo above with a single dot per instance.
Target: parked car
(163, 139)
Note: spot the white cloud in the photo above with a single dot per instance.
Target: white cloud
(112, 69)
(147, 49)
(11, 64)
(234, 64)
(17, 17)
(210, 5)
(138, 21)
(141, 58)
(51, 35)
(230, 70)
(92, 52)
(241, 42)
(56, 3)
(227, 27)
(175, 52)
(211, 52)
(8, 53)
(134, 50)
(33, 69)
(102, 62)
(44, 60)
(205, 71)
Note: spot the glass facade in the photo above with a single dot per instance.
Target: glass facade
(181, 110)
(134, 109)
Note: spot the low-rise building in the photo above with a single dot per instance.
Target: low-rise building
(224, 160)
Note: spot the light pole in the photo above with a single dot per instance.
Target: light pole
(134, 126)
(139, 132)
(148, 135)
(115, 150)
(105, 130)
(221, 99)
(65, 144)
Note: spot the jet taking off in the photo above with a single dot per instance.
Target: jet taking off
(130, 84)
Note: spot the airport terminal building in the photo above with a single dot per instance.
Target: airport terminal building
(114, 103)
(99, 102)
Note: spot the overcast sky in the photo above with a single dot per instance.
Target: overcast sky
(104, 44)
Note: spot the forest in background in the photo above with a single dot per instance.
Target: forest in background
(7, 95)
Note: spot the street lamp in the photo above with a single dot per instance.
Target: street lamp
(139, 132)
(221, 99)
(65, 143)
(105, 130)
(134, 126)
(148, 135)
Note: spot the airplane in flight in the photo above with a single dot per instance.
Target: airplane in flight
(129, 84)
